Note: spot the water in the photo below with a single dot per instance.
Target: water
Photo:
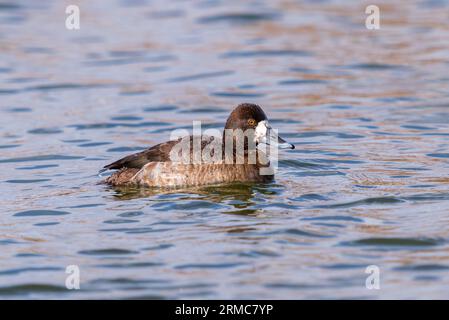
(367, 184)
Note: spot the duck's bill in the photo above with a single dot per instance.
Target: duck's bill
(282, 144)
(274, 140)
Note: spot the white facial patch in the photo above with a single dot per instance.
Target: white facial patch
(260, 134)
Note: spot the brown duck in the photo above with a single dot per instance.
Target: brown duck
(156, 167)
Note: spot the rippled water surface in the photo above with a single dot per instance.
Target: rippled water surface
(368, 111)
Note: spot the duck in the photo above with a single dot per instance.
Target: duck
(235, 159)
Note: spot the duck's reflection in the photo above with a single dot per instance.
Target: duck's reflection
(240, 197)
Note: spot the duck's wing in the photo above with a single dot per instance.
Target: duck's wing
(159, 152)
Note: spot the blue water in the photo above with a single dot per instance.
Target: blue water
(367, 184)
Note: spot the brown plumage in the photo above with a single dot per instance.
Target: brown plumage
(154, 168)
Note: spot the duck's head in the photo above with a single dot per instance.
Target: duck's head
(250, 116)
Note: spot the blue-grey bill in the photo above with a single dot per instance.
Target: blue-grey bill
(282, 144)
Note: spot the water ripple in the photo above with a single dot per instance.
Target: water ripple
(241, 18)
(35, 213)
(395, 242)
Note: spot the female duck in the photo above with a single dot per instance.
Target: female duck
(239, 160)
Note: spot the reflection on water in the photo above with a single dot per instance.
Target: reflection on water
(366, 185)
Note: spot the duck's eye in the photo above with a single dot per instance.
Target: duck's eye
(251, 122)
